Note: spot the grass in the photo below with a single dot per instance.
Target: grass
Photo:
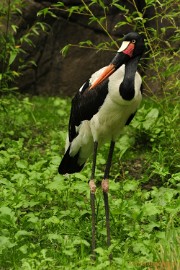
(45, 218)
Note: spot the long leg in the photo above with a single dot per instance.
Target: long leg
(105, 187)
(92, 186)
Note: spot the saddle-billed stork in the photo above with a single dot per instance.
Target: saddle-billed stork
(101, 108)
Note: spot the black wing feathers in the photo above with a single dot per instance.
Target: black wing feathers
(69, 164)
(85, 104)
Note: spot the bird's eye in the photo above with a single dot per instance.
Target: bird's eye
(133, 41)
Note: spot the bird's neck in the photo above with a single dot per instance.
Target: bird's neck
(126, 89)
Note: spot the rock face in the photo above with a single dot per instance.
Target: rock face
(54, 74)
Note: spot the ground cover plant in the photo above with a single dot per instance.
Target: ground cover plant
(45, 218)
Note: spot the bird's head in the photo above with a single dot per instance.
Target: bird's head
(132, 46)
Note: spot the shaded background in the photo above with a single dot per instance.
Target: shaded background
(56, 75)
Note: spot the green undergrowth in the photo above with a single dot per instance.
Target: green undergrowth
(45, 218)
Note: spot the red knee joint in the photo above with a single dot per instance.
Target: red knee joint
(92, 186)
(105, 185)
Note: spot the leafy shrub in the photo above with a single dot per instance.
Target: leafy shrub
(11, 46)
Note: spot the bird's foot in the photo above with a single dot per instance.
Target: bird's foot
(92, 186)
(105, 185)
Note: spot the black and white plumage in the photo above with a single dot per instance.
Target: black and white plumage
(102, 108)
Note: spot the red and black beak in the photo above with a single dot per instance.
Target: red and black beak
(124, 53)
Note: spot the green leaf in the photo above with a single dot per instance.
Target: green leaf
(59, 4)
(124, 143)
(45, 12)
(120, 7)
(22, 233)
(12, 56)
(5, 243)
(87, 42)
(150, 209)
(4, 210)
(57, 184)
(33, 219)
(53, 220)
(22, 164)
(99, 251)
(14, 27)
(151, 118)
(81, 242)
(130, 185)
(65, 50)
(24, 249)
(54, 236)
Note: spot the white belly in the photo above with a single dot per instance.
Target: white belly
(108, 123)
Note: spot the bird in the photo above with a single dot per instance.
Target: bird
(100, 109)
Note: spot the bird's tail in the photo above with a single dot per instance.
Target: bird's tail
(69, 164)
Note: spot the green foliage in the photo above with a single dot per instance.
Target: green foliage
(11, 48)
(45, 218)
